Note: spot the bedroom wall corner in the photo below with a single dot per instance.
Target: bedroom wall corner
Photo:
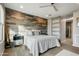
(63, 29)
(49, 30)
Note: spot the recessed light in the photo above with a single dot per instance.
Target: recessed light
(48, 15)
(21, 6)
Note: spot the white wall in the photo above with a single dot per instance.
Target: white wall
(63, 29)
(1, 29)
(75, 29)
(56, 30)
(49, 30)
(62, 26)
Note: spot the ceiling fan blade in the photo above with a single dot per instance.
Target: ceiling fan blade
(51, 5)
(55, 8)
(45, 6)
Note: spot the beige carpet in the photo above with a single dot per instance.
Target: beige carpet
(65, 52)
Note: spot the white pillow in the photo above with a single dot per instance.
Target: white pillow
(29, 33)
(36, 33)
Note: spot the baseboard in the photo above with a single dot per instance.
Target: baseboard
(2, 53)
(75, 45)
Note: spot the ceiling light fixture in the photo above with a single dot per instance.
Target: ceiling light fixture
(21, 6)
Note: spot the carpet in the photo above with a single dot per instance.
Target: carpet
(65, 52)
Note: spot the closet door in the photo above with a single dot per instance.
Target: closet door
(56, 27)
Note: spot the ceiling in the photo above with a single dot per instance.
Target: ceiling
(34, 8)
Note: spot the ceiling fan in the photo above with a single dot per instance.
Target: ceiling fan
(51, 5)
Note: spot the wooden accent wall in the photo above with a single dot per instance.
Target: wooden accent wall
(17, 17)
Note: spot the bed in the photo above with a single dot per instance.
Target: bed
(40, 44)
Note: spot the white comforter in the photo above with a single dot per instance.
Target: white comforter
(40, 44)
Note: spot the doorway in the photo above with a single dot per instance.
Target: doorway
(68, 29)
(69, 32)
